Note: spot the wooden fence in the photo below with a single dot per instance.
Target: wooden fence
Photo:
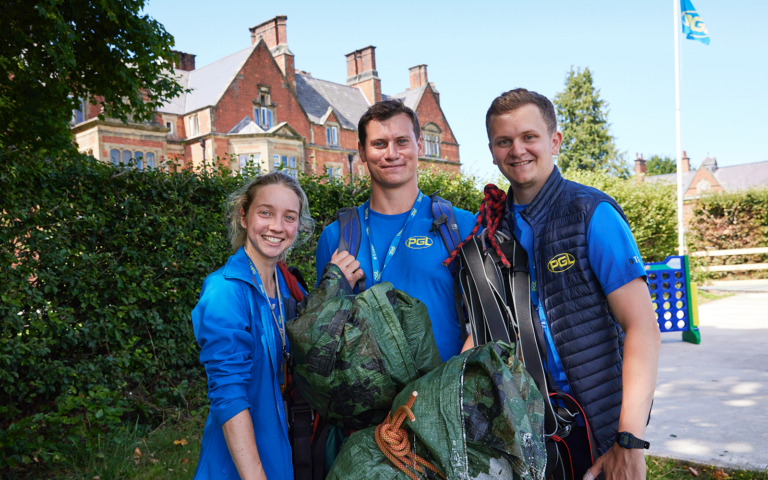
(733, 268)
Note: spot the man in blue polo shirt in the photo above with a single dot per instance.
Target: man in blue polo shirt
(397, 245)
(602, 338)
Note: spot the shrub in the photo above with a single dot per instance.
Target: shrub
(730, 220)
(650, 208)
(100, 268)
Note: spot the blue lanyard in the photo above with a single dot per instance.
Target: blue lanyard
(395, 241)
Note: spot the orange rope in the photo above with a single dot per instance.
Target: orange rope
(392, 439)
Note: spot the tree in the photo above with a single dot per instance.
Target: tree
(53, 53)
(587, 142)
(657, 165)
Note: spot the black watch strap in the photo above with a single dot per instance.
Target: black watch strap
(627, 440)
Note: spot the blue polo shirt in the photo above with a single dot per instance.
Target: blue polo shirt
(416, 267)
(609, 244)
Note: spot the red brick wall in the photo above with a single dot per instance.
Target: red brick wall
(429, 111)
(237, 101)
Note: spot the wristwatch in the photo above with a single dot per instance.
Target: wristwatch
(627, 440)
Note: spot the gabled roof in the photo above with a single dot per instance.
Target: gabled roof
(672, 178)
(411, 97)
(744, 176)
(245, 126)
(735, 177)
(208, 83)
(316, 96)
(176, 105)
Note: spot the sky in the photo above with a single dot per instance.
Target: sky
(477, 50)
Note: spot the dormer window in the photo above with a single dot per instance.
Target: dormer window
(264, 110)
(332, 135)
(431, 138)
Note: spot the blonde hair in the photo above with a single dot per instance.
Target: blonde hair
(242, 199)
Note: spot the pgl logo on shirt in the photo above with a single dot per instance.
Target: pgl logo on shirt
(418, 242)
(560, 263)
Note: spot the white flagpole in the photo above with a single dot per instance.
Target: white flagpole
(679, 143)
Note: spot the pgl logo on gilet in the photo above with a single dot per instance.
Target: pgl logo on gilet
(560, 263)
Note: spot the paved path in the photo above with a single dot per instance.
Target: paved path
(737, 286)
(711, 403)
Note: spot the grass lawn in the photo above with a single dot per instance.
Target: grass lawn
(171, 452)
(706, 296)
(669, 469)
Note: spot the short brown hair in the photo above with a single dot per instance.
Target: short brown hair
(242, 198)
(385, 110)
(519, 97)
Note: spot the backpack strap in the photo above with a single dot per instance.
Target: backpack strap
(350, 234)
(444, 221)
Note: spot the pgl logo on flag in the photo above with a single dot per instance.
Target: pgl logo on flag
(693, 26)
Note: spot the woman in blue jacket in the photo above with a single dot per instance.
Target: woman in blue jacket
(239, 323)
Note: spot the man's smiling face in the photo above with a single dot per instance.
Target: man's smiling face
(522, 148)
(391, 151)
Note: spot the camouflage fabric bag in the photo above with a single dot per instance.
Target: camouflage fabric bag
(478, 416)
(354, 353)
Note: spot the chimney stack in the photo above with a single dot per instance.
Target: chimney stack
(184, 61)
(686, 162)
(361, 73)
(418, 76)
(274, 32)
(639, 164)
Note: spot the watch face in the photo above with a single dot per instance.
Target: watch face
(625, 440)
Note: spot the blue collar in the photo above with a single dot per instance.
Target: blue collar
(238, 267)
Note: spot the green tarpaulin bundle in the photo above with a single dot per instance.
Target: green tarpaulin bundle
(355, 353)
(478, 416)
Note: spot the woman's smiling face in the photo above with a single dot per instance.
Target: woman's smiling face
(271, 223)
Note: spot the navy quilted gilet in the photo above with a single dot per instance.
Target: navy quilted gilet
(588, 338)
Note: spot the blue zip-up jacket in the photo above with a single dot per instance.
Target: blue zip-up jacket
(587, 336)
(241, 352)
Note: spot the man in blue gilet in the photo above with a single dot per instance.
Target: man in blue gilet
(602, 338)
(398, 243)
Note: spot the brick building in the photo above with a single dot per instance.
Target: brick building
(255, 105)
(709, 178)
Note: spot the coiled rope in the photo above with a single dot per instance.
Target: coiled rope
(491, 213)
(392, 439)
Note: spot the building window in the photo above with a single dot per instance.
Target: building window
(141, 160)
(264, 111)
(334, 173)
(431, 145)
(431, 140)
(253, 158)
(284, 163)
(194, 125)
(332, 135)
(80, 114)
(170, 127)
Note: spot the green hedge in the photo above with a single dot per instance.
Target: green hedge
(650, 208)
(724, 221)
(100, 268)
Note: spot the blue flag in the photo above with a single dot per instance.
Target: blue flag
(693, 26)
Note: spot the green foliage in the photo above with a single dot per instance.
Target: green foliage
(100, 267)
(730, 220)
(649, 207)
(583, 118)
(54, 52)
(99, 270)
(657, 165)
